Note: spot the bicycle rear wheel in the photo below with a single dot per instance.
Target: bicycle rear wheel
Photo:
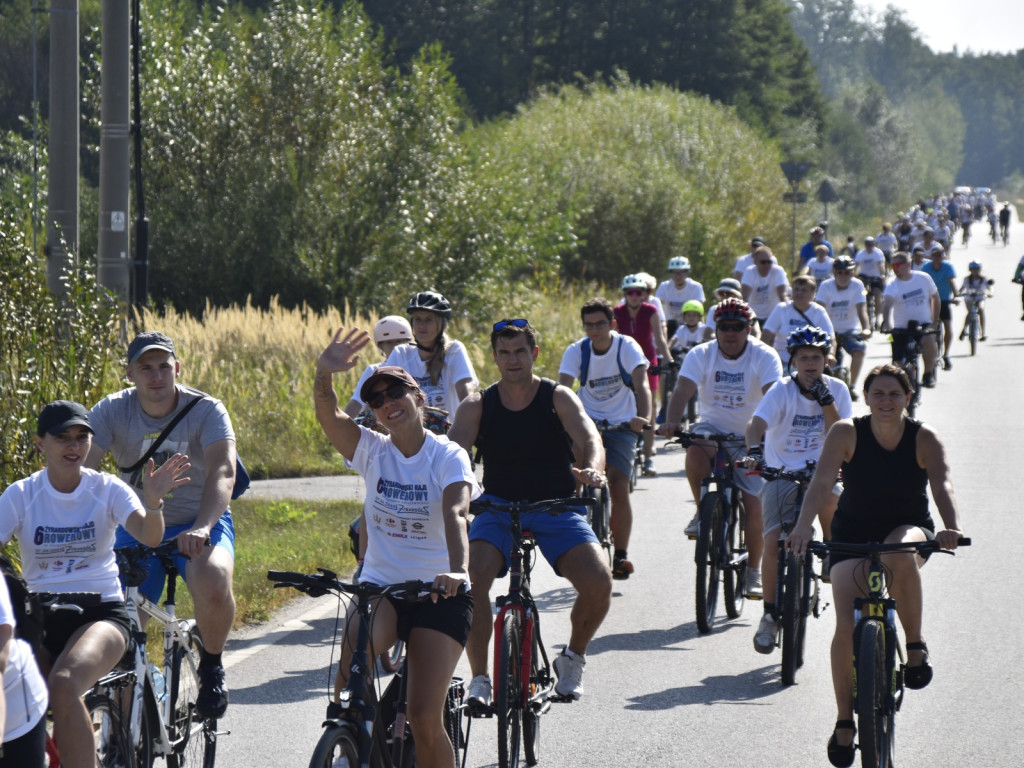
(531, 716)
(874, 720)
(791, 619)
(735, 576)
(707, 557)
(113, 737)
(336, 742)
(195, 738)
(508, 692)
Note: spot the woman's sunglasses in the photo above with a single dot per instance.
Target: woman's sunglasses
(393, 392)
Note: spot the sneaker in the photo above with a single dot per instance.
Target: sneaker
(854, 396)
(479, 692)
(649, 470)
(621, 568)
(694, 527)
(947, 364)
(212, 700)
(570, 675)
(753, 584)
(928, 380)
(767, 635)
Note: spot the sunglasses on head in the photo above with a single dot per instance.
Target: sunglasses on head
(392, 392)
(634, 292)
(732, 327)
(517, 323)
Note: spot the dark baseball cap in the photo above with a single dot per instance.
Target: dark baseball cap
(393, 373)
(57, 416)
(757, 240)
(146, 341)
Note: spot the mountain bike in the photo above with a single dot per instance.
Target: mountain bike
(797, 590)
(524, 686)
(364, 730)
(721, 551)
(671, 371)
(910, 361)
(163, 722)
(877, 676)
(600, 518)
(972, 299)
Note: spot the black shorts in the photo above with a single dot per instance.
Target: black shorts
(873, 282)
(945, 313)
(59, 626)
(449, 615)
(868, 533)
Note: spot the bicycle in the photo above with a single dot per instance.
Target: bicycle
(524, 685)
(910, 360)
(721, 551)
(636, 470)
(671, 371)
(973, 298)
(164, 724)
(878, 679)
(364, 729)
(797, 591)
(600, 518)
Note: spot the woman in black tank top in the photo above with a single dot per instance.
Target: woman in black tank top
(887, 459)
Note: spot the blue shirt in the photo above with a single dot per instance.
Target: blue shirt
(942, 277)
(807, 250)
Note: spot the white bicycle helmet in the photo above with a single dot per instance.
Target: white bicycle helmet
(392, 328)
(678, 262)
(633, 281)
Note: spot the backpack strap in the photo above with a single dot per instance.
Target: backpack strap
(627, 379)
(584, 361)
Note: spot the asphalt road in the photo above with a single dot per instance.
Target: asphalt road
(660, 694)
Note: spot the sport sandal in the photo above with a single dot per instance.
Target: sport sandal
(918, 676)
(841, 755)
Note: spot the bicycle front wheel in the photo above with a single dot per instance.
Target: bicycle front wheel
(111, 731)
(874, 721)
(508, 692)
(735, 548)
(336, 742)
(531, 716)
(707, 556)
(791, 619)
(973, 334)
(194, 738)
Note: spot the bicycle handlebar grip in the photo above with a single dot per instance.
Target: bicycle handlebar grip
(964, 541)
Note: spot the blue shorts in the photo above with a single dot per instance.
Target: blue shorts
(221, 535)
(619, 450)
(555, 534)
(851, 343)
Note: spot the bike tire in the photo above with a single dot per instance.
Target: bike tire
(194, 737)
(391, 659)
(734, 578)
(508, 692)
(335, 742)
(792, 585)
(531, 717)
(707, 558)
(910, 368)
(112, 732)
(973, 334)
(145, 752)
(874, 723)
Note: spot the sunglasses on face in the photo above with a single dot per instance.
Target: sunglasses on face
(517, 323)
(731, 327)
(381, 396)
(634, 292)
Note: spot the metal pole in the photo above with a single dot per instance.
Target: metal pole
(792, 248)
(62, 202)
(113, 262)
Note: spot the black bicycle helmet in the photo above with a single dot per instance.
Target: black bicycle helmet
(431, 301)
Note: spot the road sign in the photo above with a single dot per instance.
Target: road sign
(795, 197)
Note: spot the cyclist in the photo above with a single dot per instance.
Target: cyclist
(817, 237)
(764, 285)
(637, 319)
(678, 290)
(441, 367)
(871, 270)
(651, 284)
(64, 517)
(1004, 223)
(418, 489)
(917, 256)
(128, 424)
(692, 331)
(522, 426)
(747, 259)
(942, 272)
(843, 299)
(23, 695)
(911, 296)
(975, 282)
(729, 288)
(786, 431)
(801, 311)
(388, 333)
(887, 243)
(888, 460)
(1018, 277)
(611, 369)
(730, 376)
(820, 267)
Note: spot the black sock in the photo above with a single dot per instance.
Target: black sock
(207, 659)
(620, 554)
(769, 608)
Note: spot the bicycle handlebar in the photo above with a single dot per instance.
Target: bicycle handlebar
(323, 581)
(777, 473)
(606, 426)
(551, 506)
(875, 547)
(687, 438)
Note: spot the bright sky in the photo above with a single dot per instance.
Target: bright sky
(985, 26)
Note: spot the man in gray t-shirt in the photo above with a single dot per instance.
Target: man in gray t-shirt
(127, 423)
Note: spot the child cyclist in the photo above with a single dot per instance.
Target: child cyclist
(976, 287)
(691, 332)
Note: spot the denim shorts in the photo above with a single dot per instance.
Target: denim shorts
(619, 450)
(555, 534)
(221, 535)
(851, 343)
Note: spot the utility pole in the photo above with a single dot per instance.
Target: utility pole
(62, 203)
(113, 258)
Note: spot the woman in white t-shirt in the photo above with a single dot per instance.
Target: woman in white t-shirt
(64, 517)
(418, 489)
(440, 366)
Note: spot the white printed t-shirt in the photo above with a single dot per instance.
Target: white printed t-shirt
(912, 299)
(604, 394)
(841, 304)
(67, 539)
(456, 368)
(24, 688)
(785, 319)
(871, 263)
(796, 425)
(673, 298)
(763, 295)
(730, 390)
(404, 516)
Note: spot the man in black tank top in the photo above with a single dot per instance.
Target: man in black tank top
(522, 427)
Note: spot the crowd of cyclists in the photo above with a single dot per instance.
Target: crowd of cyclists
(758, 361)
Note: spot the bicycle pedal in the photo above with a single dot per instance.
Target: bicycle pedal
(478, 711)
(558, 698)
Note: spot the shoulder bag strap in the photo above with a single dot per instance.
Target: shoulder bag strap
(163, 436)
